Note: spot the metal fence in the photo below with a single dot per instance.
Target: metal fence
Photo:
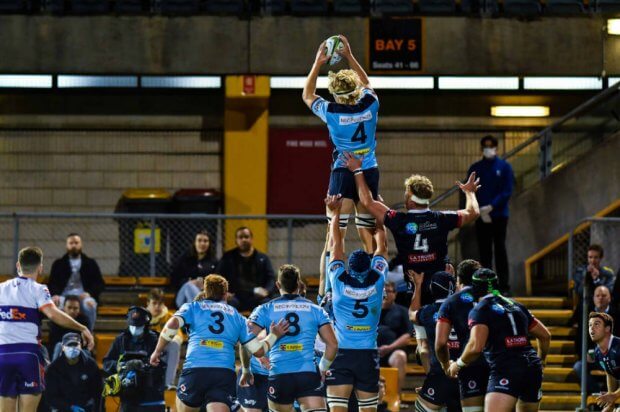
(150, 244)
(593, 230)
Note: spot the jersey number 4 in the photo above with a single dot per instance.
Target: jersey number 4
(420, 243)
(360, 134)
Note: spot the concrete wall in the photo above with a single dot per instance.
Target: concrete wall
(286, 45)
(550, 210)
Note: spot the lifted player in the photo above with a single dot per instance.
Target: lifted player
(501, 327)
(352, 123)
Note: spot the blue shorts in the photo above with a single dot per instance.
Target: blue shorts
(202, 386)
(440, 390)
(22, 370)
(357, 367)
(254, 396)
(521, 382)
(342, 181)
(473, 379)
(285, 388)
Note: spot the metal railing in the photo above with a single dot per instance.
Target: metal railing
(603, 231)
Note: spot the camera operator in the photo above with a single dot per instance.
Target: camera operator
(140, 386)
(74, 381)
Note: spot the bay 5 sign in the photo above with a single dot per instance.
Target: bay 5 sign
(395, 45)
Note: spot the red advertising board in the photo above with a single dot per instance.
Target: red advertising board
(298, 175)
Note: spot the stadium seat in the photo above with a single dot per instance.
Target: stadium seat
(14, 6)
(348, 7)
(178, 6)
(608, 6)
(90, 6)
(103, 341)
(153, 281)
(393, 7)
(437, 6)
(564, 7)
(522, 8)
(392, 397)
(306, 7)
(168, 299)
(119, 281)
(273, 7)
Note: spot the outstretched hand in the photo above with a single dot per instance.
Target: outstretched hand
(472, 184)
(415, 277)
(321, 57)
(279, 328)
(346, 50)
(333, 202)
(351, 161)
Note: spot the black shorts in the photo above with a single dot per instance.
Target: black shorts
(522, 382)
(254, 396)
(342, 181)
(201, 386)
(357, 367)
(440, 390)
(473, 380)
(285, 388)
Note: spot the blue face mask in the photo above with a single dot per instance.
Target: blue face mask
(136, 330)
(71, 352)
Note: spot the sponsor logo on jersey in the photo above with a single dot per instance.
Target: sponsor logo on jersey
(32, 384)
(362, 328)
(498, 309)
(183, 388)
(358, 118)
(249, 402)
(454, 344)
(422, 258)
(213, 306)
(272, 390)
(291, 347)
(213, 344)
(466, 297)
(411, 228)
(435, 316)
(361, 151)
(392, 213)
(426, 226)
(328, 372)
(472, 384)
(504, 382)
(379, 266)
(292, 307)
(431, 391)
(12, 314)
(515, 341)
(84, 377)
(358, 294)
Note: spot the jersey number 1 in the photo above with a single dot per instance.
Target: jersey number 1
(360, 134)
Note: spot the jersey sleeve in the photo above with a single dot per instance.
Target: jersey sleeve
(43, 297)
(335, 269)
(450, 220)
(380, 264)
(322, 318)
(319, 108)
(244, 331)
(531, 319)
(443, 315)
(390, 220)
(186, 312)
(478, 316)
(259, 317)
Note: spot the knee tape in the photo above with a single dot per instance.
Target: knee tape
(420, 407)
(337, 402)
(472, 408)
(344, 221)
(368, 403)
(365, 221)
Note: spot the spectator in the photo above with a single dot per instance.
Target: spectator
(394, 332)
(74, 381)
(72, 308)
(77, 274)
(248, 271)
(496, 180)
(593, 274)
(601, 303)
(189, 291)
(197, 262)
(159, 316)
(138, 338)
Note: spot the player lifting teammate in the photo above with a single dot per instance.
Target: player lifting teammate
(352, 123)
(208, 377)
(607, 354)
(357, 295)
(293, 374)
(500, 327)
(421, 235)
(22, 300)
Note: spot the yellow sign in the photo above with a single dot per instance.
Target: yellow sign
(358, 328)
(214, 344)
(291, 347)
(142, 240)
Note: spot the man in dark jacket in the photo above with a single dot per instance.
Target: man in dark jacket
(249, 272)
(77, 274)
(496, 180)
(73, 380)
(149, 395)
(71, 307)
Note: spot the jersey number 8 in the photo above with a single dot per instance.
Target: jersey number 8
(293, 324)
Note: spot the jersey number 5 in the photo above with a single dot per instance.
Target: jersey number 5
(360, 134)
(359, 307)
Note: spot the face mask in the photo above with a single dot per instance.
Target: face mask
(71, 352)
(489, 152)
(136, 330)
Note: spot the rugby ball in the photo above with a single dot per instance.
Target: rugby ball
(333, 45)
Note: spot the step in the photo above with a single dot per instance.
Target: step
(562, 331)
(566, 360)
(555, 317)
(415, 370)
(558, 374)
(158, 282)
(558, 347)
(561, 387)
(541, 302)
(103, 341)
(408, 397)
(119, 281)
(112, 310)
(555, 402)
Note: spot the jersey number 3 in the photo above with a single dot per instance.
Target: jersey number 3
(219, 325)
(360, 134)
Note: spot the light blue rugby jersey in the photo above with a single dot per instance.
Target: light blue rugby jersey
(357, 305)
(293, 352)
(352, 128)
(214, 330)
(257, 368)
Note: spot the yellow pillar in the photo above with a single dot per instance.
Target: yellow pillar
(246, 128)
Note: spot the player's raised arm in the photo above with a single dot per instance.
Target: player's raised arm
(353, 63)
(62, 319)
(472, 210)
(309, 94)
(377, 209)
(334, 203)
(381, 240)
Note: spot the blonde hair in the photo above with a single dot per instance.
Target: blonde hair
(419, 185)
(215, 287)
(344, 82)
